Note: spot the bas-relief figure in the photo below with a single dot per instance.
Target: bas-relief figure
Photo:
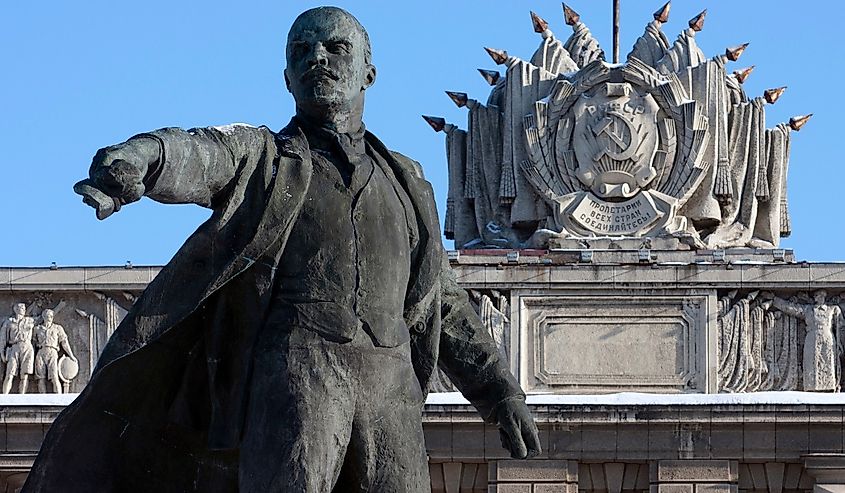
(289, 344)
(824, 340)
(32, 345)
(569, 147)
(766, 342)
(50, 339)
(17, 351)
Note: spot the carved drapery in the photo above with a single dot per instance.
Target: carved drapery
(771, 343)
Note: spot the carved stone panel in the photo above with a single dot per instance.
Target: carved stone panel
(81, 321)
(611, 342)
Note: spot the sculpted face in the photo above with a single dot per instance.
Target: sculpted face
(328, 65)
(20, 309)
(47, 316)
(820, 297)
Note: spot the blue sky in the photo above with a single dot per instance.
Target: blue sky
(82, 75)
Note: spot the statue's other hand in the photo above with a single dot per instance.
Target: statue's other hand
(517, 429)
(116, 176)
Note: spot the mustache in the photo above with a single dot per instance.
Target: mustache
(318, 72)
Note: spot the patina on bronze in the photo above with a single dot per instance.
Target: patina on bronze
(289, 343)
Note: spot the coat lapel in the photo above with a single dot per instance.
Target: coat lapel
(425, 270)
(291, 174)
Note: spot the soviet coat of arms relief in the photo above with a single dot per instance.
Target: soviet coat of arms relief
(667, 146)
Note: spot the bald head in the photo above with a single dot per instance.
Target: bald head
(328, 65)
(331, 15)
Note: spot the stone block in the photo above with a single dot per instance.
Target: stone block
(534, 471)
(694, 471)
(696, 275)
(32, 279)
(510, 488)
(25, 437)
(758, 441)
(632, 441)
(118, 277)
(792, 440)
(726, 433)
(766, 276)
(554, 488)
(582, 274)
(825, 438)
(470, 274)
(467, 441)
(826, 430)
(821, 274)
(565, 442)
(438, 441)
(662, 275)
(599, 442)
(695, 436)
(672, 488)
(513, 276)
(663, 443)
(715, 488)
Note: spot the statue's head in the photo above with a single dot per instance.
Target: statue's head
(48, 315)
(328, 62)
(820, 297)
(20, 309)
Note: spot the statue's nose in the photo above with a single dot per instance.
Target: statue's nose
(320, 55)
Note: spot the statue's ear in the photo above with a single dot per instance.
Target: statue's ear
(369, 76)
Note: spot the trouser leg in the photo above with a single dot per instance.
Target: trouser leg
(300, 414)
(386, 452)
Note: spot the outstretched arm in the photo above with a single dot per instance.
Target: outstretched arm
(171, 165)
(788, 307)
(783, 305)
(473, 363)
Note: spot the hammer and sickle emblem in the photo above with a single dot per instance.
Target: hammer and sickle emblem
(607, 126)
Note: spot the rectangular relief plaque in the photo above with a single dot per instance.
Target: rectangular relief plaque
(614, 343)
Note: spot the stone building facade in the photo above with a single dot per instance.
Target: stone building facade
(623, 355)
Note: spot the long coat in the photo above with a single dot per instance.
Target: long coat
(165, 406)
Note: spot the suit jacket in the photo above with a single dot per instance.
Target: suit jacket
(164, 408)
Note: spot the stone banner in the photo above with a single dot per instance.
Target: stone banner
(616, 218)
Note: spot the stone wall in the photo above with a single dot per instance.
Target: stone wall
(576, 329)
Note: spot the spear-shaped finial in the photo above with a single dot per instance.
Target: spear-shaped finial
(797, 122)
(697, 22)
(734, 53)
(436, 122)
(498, 56)
(540, 24)
(662, 15)
(772, 95)
(570, 15)
(459, 98)
(742, 75)
(491, 76)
